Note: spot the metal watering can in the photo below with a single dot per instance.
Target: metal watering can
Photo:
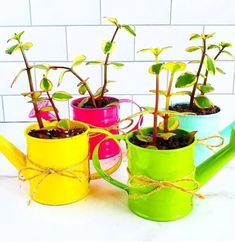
(162, 183)
(57, 169)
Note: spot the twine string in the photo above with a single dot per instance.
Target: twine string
(212, 147)
(144, 182)
(68, 172)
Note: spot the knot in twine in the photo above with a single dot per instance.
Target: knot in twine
(212, 147)
(157, 185)
(44, 172)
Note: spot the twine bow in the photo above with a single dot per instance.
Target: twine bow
(212, 146)
(68, 172)
(144, 182)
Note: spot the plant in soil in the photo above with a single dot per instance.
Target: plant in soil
(207, 65)
(95, 99)
(165, 135)
(61, 129)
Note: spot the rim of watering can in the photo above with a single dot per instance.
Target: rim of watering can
(75, 101)
(29, 127)
(151, 150)
(200, 115)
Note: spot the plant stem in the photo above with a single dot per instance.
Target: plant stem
(198, 74)
(53, 106)
(106, 66)
(207, 72)
(80, 79)
(168, 96)
(28, 70)
(155, 115)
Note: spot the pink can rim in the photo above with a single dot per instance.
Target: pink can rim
(75, 101)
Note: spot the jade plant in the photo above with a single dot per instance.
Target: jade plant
(37, 97)
(94, 99)
(206, 65)
(164, 131)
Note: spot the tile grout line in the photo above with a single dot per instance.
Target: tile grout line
(30, 13)
(66, 43)
(171, 3)
(3, 110)
(100, 12)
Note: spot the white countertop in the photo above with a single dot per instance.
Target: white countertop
(104, 215)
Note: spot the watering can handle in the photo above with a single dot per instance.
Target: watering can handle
(103, 173)
(112, 169)
(141, 117)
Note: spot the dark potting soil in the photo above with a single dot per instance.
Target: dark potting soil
(55, 133)
(185, 108)
(174, 142)
(100, 103)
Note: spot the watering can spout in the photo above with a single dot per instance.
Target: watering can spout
(13, 154)
(212, 165)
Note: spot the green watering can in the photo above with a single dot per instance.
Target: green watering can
(162, 183)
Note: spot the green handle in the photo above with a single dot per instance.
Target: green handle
(96, 163)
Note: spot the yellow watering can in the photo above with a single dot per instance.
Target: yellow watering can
(57, 169)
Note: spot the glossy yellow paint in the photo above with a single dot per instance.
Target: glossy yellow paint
(57, 169)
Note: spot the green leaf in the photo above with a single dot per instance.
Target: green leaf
(82, 89)
(212, 46)
(207, 36)
(61, 76)
(152, 147)
(108, 47)
(195, 36)
(182, 93)
(186, 79)
(144, 138)
(220, 70)
(112, 20)
(94, 62)
(205, 88)
(117, 65)
(150, 109)
(41, 66)
(155, 51)
(98, 92)
(78, 60)
(161, 92)
(225, 44)
(202, 102)
(194, 62)
(203, 76)
(27, 46)
(129, 29)
(37, 100)
(162, 113)
(173, 124)
(12, 49)
(193, 48)
(17, 76)
(166, 136)
(84, 101)
(155, 69)
(61, 96)
(228, 53)
(210, 64)
(46, 85)
(16, 36)
(175, 66)
(47, 109)
(63, 124)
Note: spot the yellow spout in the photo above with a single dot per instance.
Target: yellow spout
(14, 155)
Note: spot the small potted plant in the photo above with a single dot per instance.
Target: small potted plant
(161, 154)
(57, 160)
(97, 109)
(204, 115)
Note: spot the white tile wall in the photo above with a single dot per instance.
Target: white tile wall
(13, 12)
(138, 12)
(60, 30)
(203, 12)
